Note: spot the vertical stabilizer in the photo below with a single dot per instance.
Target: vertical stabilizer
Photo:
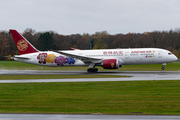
(23, 46)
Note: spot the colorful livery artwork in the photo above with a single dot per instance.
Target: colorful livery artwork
(51, 58)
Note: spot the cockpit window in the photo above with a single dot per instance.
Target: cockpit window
(169, 53)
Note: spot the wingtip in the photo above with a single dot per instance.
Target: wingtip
(74, 48)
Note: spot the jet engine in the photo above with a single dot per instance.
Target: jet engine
(110, 64)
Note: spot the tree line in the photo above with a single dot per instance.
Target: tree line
(50, 40)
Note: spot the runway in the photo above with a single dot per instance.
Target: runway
(84, 117)
(134, 76)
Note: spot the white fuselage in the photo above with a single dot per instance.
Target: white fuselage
(38, 58)
(125, 57)
(131, 56)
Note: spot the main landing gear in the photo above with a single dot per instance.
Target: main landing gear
(163, 68)
(92, 70)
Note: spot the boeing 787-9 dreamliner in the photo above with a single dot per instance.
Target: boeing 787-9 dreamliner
(107, 58)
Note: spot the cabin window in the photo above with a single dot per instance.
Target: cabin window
(169, 53)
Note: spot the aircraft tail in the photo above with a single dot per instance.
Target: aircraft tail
(23, 45)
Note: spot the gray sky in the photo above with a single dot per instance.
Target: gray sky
(89, 16)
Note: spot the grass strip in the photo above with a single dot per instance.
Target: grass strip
(15, 65)
(122, 97)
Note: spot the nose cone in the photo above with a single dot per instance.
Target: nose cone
(174, 58)
(171, 58)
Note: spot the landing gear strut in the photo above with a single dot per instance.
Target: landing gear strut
(92, 70)
(163, 68)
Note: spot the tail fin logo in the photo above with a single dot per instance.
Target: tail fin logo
(22, 45)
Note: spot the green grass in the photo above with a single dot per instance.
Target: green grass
(123, 97)
(14, 65)
(133, 97)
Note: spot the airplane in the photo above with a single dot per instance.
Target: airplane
(106, 58)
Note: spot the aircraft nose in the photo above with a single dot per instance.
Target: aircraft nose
(172, 58)
(175, 58)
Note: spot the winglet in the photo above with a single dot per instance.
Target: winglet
(74, 48)
(23, 45)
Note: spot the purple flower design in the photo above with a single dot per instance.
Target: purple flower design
(60, 61)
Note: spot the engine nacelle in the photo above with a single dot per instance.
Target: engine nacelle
(110, 64)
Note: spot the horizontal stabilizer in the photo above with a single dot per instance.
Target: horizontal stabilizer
(21, 57)
(11, 57)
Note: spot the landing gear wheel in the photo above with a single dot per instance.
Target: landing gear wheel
(92, 70)
(96, 69)
(89, 70)
(163, 68)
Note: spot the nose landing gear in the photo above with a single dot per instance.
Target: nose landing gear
(163, 68)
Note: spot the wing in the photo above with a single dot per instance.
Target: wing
(83, 58)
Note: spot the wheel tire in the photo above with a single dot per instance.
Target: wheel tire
(163, 68)
(89, 70)
(96, 69)
(93, 70)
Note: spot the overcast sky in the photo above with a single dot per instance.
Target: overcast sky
(89, 16)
